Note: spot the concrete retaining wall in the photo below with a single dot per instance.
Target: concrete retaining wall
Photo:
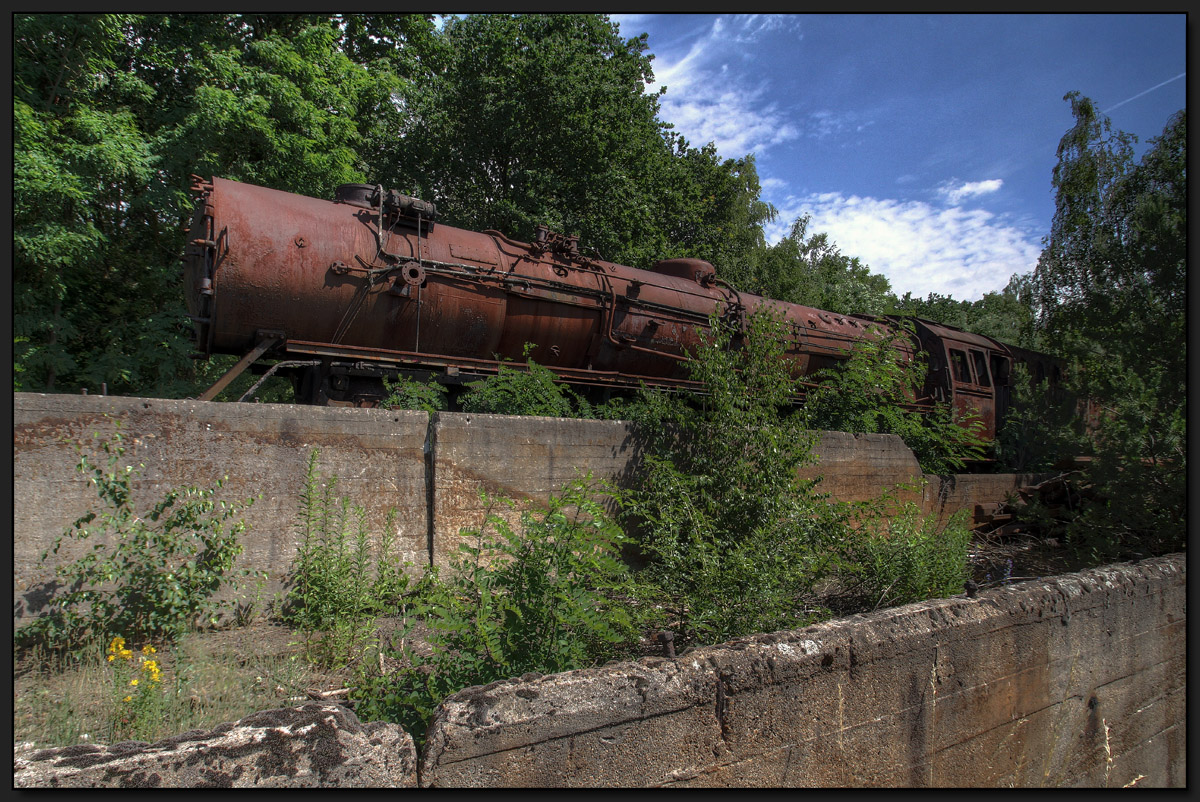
(1079, 680)
(523, 458)
(262, 448)
(855, 467)
(431, 471)
(1075, 680)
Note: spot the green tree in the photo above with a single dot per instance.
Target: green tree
(735, 541)
(544, 118)
(708, 208)
(112, 114)
(936, 307)
(1007, 315)
(536, 118)
(1111, 291)
(78, 159)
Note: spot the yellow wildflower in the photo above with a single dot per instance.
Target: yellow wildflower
(112, 657)
(148, 649)
(133, 681)
(127, 699)
(118, 643)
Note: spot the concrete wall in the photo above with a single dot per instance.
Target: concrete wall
(1078, 680)
(523, 458)
(856, 467)
(262, 448)
(431, 471)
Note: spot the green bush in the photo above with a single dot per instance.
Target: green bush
(1130, 498)
(408, 393)
(1043, 425)
(541, 598)
(735, 542)
(333, 593)
(873, 390)
(154, 573)
(1136, 485)
(897, 558)
(533, 390)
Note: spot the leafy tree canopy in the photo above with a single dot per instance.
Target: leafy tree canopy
(1110, 290)
(811, 270)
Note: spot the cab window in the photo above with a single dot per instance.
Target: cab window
(981, 370)
(958, 364)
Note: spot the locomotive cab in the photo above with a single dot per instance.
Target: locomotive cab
(971, 372)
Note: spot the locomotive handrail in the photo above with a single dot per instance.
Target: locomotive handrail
(607, 298)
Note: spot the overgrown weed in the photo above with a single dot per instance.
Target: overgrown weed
(542, 597)
(149, 574)
(339, 583)
(83, 697)
(874, 390)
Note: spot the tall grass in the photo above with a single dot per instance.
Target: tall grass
(63, 700)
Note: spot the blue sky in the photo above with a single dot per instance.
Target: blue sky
(922, 144)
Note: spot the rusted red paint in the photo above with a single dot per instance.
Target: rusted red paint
(347, 279)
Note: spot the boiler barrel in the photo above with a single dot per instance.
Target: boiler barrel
(347, 274)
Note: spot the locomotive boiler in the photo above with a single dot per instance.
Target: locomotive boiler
(340, 294)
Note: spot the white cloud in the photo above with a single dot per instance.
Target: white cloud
(824, 123)
(708, 102)
(920, 248)
(749, 28)
(627, 23)
(957, 194)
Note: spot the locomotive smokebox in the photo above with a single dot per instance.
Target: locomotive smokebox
(314, 270)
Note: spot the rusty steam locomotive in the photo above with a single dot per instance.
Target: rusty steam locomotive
(339, 294)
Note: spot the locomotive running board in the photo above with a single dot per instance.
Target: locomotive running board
(266, 340)
(485, 366)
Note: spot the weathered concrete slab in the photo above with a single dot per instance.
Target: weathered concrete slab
(859, 467)
(1075, 680)
(310, 746)
(523, 458)
(944, 496)
(263, 449)
(431, 471)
